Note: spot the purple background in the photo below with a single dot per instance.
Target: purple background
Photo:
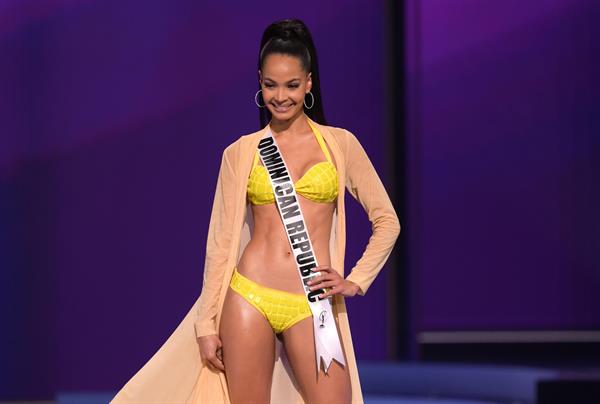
(114, 117)
(504, 149)
(114, 114)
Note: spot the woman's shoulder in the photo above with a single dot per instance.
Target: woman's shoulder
(337, 131)
(240, 140)
(233, 148)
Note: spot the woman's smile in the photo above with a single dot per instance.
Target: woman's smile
(284, 83)
(282, 108)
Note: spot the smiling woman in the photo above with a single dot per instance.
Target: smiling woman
(290, 39)
(269, 296)
(273, 295)
(285, 84)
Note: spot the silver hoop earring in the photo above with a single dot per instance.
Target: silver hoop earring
(313, 100)
(256, 99)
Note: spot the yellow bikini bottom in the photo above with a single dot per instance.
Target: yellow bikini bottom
(281, 309)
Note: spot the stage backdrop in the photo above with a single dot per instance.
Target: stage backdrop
(114, 116)
(504, 150)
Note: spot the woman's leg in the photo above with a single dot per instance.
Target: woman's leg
(248, 350)
(333, 388)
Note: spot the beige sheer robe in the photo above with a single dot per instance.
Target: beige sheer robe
(175, 373)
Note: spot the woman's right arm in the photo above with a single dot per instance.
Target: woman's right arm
(218, 242)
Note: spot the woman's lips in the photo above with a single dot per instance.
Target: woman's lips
(282, 108)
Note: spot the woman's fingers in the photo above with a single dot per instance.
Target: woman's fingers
(211, 352)
(332, 281)
(334, 291)
(319, 279)
(345, 288)
(215, 367)
(215, 361)
(328, 274)
(322, 268)
(330, 292)
(325, 284)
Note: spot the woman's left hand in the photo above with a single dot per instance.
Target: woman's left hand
(330, 279)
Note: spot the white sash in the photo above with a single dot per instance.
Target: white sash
(327, 341)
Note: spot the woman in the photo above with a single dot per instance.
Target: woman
(252, 321)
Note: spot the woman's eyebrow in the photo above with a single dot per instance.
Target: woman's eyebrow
(289, 81)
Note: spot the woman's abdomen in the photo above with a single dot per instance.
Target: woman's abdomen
(268, 259)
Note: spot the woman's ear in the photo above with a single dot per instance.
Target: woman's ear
(309, 82)
(259, 77)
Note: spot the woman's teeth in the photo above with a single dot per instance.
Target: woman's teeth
(282, 108)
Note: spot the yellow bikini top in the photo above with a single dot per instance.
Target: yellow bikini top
(319, 183)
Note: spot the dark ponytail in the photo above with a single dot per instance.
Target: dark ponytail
(291, 37)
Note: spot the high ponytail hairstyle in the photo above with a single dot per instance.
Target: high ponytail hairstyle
(291, 37)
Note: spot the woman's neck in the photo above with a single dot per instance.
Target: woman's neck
(294, 125)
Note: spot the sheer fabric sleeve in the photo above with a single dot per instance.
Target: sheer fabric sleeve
(366, 187)
(218, 243)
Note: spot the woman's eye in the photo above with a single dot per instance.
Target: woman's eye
(270, 85)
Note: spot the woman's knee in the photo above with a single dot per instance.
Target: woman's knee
(333, 387)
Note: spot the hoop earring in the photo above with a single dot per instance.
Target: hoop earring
(313, 100)
(256, 99)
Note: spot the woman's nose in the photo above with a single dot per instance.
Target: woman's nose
(280, 95)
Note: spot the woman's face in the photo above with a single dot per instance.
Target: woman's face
(284, 85)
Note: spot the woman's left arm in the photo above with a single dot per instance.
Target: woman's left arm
(366, 187)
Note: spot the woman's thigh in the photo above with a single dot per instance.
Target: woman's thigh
(333, 387)
(248, 350)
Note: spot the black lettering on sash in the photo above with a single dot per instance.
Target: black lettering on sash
(286, 201)
(280, 180)
(266, 141)
(281, 190)
(272, 167)
(295, 227)
(277, 172)
(273, 160)
(304, 246)
(305, 258)
(306, 271)
(313, 296)
(291, 211)
(308, 279)
(289, 207)
(272, 149)
(298, 237)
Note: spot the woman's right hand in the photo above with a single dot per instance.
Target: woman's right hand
(211, 352)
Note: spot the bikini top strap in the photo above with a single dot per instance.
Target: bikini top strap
(321, 141)
(255, 159)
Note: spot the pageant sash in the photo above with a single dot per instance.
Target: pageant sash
(327, 341)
